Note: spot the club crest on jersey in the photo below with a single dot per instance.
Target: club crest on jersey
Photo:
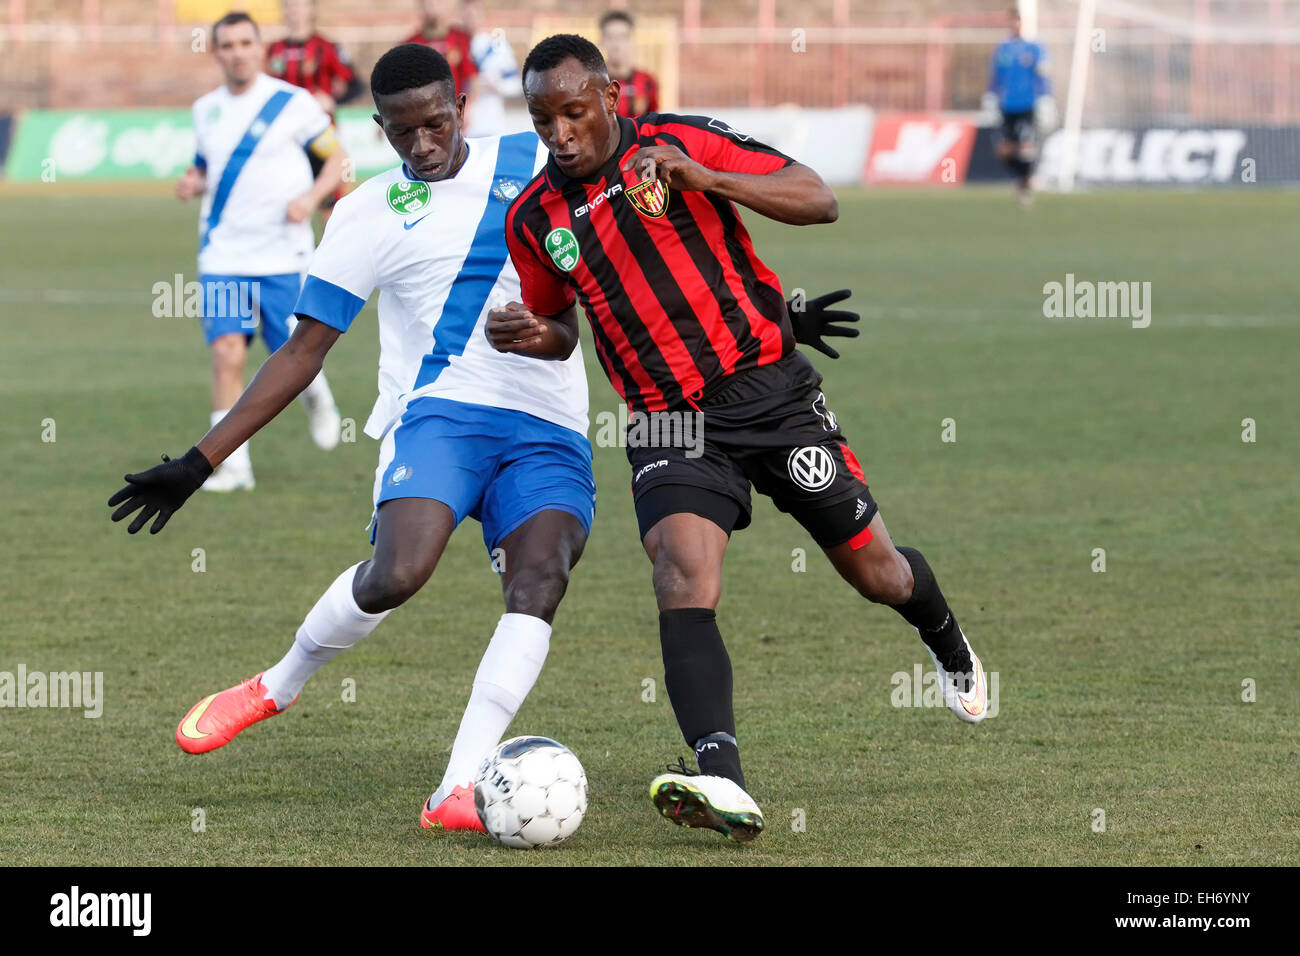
(811, 467)
(506, 190)
(562, 246)
(650, 198)
(408, 197)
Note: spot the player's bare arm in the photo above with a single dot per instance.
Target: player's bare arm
(289, 370)
(192, 184)
(513, 328)
(164, 488)
(327, 181)
(795, 194)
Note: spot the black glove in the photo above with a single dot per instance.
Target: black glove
(814, 320)
(161, 490)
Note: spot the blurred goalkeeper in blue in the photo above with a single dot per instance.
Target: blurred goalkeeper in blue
(1021, 93)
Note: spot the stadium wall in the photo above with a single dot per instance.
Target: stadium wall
(846, 146)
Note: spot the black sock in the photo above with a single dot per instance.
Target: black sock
(926, 610)
(697, 676)
(719, 756)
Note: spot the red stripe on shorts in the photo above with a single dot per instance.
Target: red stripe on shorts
(851, 460)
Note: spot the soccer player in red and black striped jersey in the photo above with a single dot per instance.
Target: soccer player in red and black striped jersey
(305, 58)
(451, 41)
(638, 90)
(636, 221)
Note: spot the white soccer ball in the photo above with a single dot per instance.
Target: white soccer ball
(531, 792)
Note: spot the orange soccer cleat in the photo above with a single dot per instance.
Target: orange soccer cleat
(456, 812)
(215, 720)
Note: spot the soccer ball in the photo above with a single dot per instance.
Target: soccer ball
(530, 792)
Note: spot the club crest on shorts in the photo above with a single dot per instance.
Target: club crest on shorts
(650, 198)
(400, 474)
(408, 197)
(811, 467)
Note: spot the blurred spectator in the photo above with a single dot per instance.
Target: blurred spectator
(640, 90)
(451, 41)
(498, 73)
(305, 58)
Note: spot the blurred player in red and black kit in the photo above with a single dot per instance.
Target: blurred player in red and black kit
(451, 41)
(638, 90)
(635, 220)
(306, 59)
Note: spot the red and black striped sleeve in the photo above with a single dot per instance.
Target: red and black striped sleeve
(541, 288)
(713, 143)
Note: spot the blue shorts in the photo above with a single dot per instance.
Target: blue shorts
(239, 304)
(495, 465)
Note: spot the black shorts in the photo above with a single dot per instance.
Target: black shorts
(769, 428)
(1019, 128)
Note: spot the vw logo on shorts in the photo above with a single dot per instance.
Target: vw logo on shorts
(811, 467)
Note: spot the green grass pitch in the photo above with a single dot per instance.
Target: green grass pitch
(1119, 691)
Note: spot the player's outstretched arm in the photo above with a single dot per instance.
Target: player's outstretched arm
(794, 194)
(513, 328)
(163, 489)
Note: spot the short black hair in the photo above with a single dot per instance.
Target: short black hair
(230, 19)
(617, 16)
(554, 50)
(409, 67)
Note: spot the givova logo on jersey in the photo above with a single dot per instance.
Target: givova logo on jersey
(408, 197)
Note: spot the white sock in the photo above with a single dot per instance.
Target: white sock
(330, 628)
(318, 392)
(239, 458)
(509, 668)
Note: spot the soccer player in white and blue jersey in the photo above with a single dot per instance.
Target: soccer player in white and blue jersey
(466, 431)
(1021, 92)
(253, 136)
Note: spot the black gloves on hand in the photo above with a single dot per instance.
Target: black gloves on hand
(814, 319)
(161, 490)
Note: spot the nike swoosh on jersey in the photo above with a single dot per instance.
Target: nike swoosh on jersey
(411, 225)
(190, 728)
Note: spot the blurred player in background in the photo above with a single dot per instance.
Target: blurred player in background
(638, 90)
(1020, 92)
(498, 73)
(253, 136)
(306, 59)
(466, 431)
(453, 42)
